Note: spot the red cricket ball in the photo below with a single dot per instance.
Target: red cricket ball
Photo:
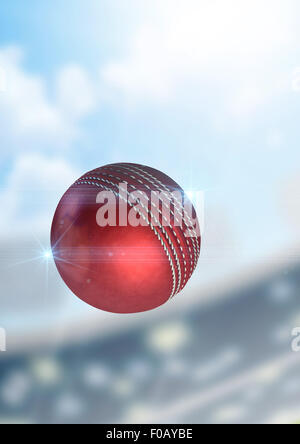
(125, 238)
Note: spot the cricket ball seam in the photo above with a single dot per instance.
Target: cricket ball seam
(196, 254)
(82, 182)
(134, 168)
(173, 214)
(179, 284)
(185, 279)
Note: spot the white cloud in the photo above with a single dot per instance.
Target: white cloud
(289, 202)
(275, 139)
(30, 119)
(246, 100)
(35, 127)
(198, 43)
(31, 192)
(144, 73)
(75, 93)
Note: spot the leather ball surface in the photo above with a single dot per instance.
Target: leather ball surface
(127, 266)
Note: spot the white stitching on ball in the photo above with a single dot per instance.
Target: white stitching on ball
(188, 239)
(179, 286)
(134, 168)
(81, 182)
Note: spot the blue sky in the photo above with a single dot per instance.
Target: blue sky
(56, 33)
(202, 90)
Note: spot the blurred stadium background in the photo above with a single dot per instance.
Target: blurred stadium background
(228, 360)
(208, 92)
